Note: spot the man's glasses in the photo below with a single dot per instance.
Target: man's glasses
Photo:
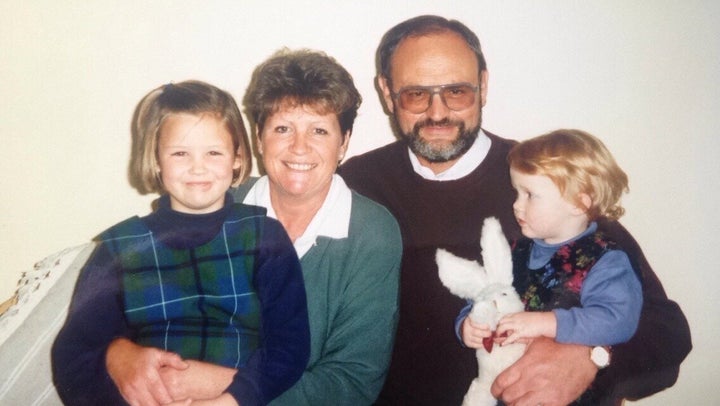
(417, 99)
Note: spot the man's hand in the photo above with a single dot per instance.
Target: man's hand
(548, 374)
(136, 372)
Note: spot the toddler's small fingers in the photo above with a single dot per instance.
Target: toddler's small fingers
(511, 338)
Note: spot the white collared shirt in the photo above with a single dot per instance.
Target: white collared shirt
(466, 164)
(332, 220)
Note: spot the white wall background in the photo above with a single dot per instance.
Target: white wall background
(641, 75)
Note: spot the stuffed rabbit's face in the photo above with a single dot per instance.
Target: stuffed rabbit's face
(494, 302)
(508, 301)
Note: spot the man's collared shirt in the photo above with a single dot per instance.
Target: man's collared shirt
(466, 164)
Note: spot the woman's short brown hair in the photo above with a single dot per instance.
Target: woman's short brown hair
(190, 97)
(302, 78)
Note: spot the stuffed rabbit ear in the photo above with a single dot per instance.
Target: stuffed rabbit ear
(496, 252)
(463, 277)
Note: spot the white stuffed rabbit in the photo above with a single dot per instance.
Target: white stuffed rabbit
(490, 288)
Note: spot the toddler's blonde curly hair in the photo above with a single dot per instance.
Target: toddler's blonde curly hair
(577, 162)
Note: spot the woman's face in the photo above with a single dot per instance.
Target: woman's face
(300, 151)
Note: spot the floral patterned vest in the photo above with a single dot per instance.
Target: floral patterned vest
(557, 285)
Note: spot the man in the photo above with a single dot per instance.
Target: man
(440, 180)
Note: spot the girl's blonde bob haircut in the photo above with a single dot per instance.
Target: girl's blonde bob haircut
(188, 97)
(578, 163)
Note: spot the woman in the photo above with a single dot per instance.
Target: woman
(303, 105)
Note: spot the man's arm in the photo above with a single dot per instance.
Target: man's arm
(547, 374)
(650, 361)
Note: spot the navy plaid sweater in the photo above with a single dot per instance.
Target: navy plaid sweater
(224, 287)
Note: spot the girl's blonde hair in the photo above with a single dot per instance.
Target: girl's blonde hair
(577, 163)
(190, 97)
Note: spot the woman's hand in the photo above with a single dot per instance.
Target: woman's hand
(199, 381)
(135, 370)
(222, 400)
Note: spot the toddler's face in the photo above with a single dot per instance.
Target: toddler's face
(541, 210)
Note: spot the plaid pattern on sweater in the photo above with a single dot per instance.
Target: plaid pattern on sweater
(198, 302)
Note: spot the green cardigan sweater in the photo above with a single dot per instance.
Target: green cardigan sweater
(352, 295)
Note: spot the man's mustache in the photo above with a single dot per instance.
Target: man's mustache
(446, 122)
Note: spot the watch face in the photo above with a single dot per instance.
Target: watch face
(600, 357)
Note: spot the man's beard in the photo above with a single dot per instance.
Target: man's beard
(437, 154)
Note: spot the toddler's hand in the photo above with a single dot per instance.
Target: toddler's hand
(523, 326)
(474, 333)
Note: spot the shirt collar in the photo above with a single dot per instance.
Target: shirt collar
(466, 164)
(332, 220)
(542, 252)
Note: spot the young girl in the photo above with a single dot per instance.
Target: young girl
(206, 278)
(577, 285)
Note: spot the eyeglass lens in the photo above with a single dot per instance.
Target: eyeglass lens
(455, 97)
